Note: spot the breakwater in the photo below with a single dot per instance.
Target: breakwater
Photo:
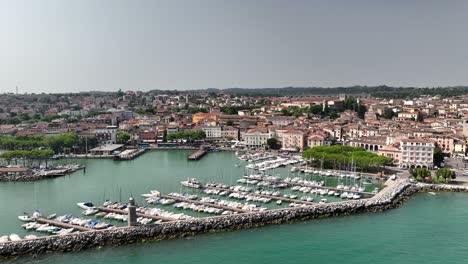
(389, 198)
(35, 176)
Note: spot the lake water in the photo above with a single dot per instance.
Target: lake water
(427, 229)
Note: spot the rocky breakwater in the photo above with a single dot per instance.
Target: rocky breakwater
(390, 197)
(428, 187)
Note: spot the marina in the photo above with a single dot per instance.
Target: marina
(211, 195)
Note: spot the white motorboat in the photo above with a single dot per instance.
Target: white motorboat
(65, 231)
(26, 218)
(91, 211)
(14, 237)
(86, 205)
(192, 183)
(31, 226)
(279, 202)
(322, 201)
(51, 216)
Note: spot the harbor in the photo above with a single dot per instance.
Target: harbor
(219, 200)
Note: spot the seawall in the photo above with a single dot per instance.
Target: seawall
(389, 198)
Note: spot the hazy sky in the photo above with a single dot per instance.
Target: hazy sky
(82, 45)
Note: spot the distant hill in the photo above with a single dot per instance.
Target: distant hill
(375, 91)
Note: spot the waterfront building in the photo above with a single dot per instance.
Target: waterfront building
(107, 135)
(417, 153)
(108, 149)
(256, 137)
(392, 152)
(212, 131)
(294, 139)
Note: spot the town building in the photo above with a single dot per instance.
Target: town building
(107, 135)
(417, 153)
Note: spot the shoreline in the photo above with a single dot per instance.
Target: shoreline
(391, 197)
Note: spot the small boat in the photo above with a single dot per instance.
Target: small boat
(4, 239)
(192, 183)
(279, 202)
(90, 211)
(14, 237)
(322, 201)
(433, 193)
(51, 216)
(26, 218)
(86, 205)
(30, 237)
(237, 165)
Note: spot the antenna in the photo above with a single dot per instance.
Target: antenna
(16, 90)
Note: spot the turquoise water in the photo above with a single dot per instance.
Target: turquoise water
(427, 229)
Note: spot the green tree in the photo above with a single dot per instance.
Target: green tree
(388, 113)
(272, 143)
(438, 156)
(420, 117)
(123, 137)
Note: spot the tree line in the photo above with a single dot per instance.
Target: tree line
(187, 135)
(345, 157)
(67, 142)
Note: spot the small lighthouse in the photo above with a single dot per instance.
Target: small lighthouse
(132, 216)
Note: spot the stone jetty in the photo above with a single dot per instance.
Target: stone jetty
(392, 196)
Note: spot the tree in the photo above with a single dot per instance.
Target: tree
(445, 175)
(438, 156)
(420, 117)
(120, 93)
(388, 113)
(272, 143)
(123, 137)
(420, 174)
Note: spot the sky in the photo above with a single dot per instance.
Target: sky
(84, 45)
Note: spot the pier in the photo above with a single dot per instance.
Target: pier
(315, 186)
(130, 154)
(122, 212)
(203, 203)
(263, 195)
(197, 154)
(63, 225)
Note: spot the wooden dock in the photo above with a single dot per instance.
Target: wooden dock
(63, 225)
(203, 203)
(197, 154)
(118, 211)
(263, 195)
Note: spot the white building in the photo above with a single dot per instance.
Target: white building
(212, 131)
(106, 135)
(417, 153)
(256, 137)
